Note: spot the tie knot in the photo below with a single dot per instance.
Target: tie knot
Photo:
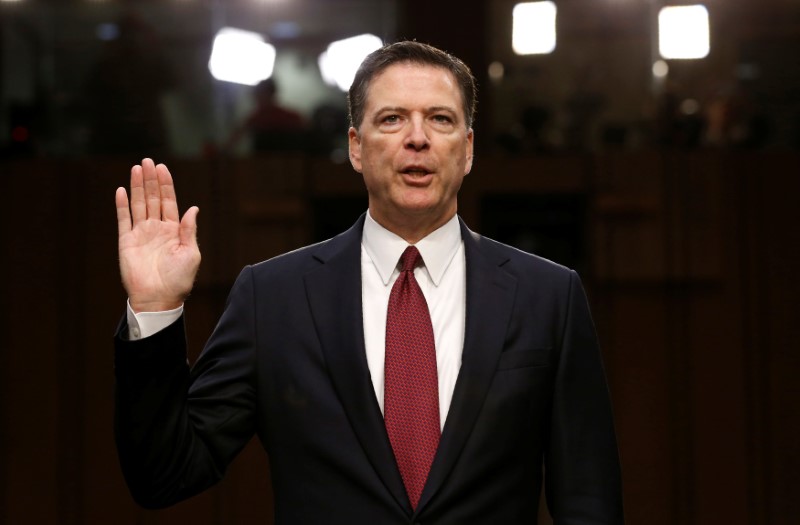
(410, 259)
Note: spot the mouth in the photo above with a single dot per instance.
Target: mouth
(416, 176)
(416, 171)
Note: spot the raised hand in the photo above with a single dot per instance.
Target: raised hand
(158, 253)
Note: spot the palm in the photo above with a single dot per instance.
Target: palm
(158, 252)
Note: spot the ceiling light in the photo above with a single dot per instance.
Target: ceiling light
(339, 63)
(683, 32)
(242, 57)
(534, 28)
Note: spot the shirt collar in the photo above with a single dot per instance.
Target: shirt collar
(437, 249)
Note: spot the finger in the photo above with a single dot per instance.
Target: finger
(169, 202)
(152, 193)
(138, 208)
(188, 229)
(123, 212)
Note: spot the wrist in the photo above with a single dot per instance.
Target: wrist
(139, 306)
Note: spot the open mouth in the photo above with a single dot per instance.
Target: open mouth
(416, 172)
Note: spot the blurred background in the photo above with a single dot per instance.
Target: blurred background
(656, 150)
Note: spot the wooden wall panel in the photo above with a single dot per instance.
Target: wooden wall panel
(32, 346)
(717, 408)
(775, 204)
(628, 228)
(632, 331)
(716, 360)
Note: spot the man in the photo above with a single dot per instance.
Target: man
(368, 419)
(271, 126)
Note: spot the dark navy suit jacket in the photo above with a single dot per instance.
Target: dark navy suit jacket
(287, 362)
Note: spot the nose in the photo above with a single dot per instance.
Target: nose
(417, 137)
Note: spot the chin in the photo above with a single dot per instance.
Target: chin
(418, 205)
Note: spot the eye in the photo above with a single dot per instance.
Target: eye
(442, 119)
(391, 119)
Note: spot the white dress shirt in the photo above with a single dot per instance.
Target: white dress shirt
(442, 279)
(443, 283)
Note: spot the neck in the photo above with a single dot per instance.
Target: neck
(410, 230)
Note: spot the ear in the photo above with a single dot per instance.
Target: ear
(354, 142)
(469, 151)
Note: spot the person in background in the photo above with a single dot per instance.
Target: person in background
(272, 127)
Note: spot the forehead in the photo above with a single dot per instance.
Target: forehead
(409, 84)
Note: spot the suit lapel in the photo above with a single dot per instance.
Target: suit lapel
(334, 294)
(490, 298)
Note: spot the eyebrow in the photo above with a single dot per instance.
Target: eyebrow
(434, 109)
(400, 109)
(390, 109)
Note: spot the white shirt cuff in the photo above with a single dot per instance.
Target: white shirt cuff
(145, 324)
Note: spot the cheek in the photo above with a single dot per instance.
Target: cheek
(376, 154)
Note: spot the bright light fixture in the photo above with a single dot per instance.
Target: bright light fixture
(339, 63)
(242, 57)
(683, 32)
(534, 28)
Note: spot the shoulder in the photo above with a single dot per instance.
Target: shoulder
(520, 264)
(345, 246)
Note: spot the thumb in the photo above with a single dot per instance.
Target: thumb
(188, 229)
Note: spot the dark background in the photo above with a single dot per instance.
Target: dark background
(687, 243)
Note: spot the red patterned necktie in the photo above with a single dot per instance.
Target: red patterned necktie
(411, 390)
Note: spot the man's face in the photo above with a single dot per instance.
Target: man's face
(413, 147)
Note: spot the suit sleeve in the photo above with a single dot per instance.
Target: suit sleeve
(582, 474)
(178, 428)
